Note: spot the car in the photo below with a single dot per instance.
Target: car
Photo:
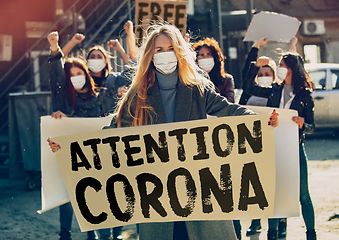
(326, 94)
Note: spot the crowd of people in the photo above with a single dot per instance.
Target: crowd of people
(169, 74)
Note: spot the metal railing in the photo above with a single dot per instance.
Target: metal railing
(87, 44)
(75, 13)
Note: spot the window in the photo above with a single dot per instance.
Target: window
(319, 78)
(312, 53)
(335, 79)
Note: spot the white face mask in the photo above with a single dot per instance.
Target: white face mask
(165, 62)
(281, 73)
(96, 65)
(206, 64)
(78, 81)
(265, 81)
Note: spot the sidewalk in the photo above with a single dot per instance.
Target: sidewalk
(323, 185)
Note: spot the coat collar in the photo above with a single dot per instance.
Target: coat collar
(183, 103)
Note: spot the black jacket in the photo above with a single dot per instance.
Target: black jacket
(251, 56)
(302, 102)
(86, 107)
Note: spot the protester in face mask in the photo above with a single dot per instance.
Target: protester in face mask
(73, 95)
(265, 77)
(294, 92)
(110, 84)
(211, 59)
(251, 56)
(247, 99)
(168, 87)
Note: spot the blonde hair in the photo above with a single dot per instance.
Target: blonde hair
(145, 74)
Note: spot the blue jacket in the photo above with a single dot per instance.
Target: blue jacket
(251, 56)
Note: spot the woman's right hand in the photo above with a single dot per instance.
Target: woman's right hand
(53, 39)
(53, 145)
(262, 61)
(58, 115)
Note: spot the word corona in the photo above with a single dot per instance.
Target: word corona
(150, 198)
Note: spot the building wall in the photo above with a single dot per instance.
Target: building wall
(13, 17)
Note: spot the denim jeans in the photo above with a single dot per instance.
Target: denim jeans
(66, 215)
(307, 209)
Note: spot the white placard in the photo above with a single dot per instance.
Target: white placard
(274, 26)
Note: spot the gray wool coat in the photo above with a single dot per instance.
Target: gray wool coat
(190, 105)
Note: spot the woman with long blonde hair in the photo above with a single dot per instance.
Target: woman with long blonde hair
(183, 66)
(169, 87)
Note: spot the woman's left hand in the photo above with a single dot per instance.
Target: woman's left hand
(274, 120)
(129, 27)
(298, 120)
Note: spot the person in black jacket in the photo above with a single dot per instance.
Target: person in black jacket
(251, 56)
(266, 75)
(294, 92)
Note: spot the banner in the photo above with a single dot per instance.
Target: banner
(213, 169)
(148, 12)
